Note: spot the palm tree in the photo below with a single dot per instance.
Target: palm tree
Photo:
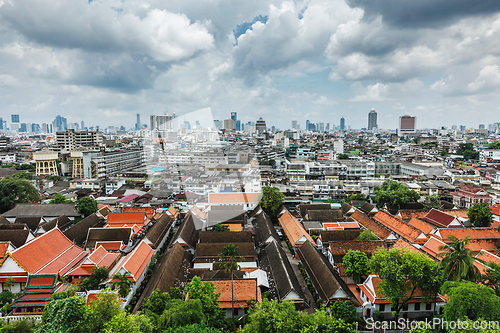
(122, 283)
(230, 256)
(458, 260)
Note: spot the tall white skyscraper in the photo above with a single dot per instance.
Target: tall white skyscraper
(372, 120)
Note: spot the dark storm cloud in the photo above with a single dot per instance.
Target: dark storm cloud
(424, 13)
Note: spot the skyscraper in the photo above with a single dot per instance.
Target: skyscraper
(15, 118)
(60, 124)
(294, 124)
(372, 120)
(260, 125)
(407, 124)
(238, 125)
(138, 125)
(342, 123)
(82, 126)
(1, 124)
(234, 116)
(307, 125)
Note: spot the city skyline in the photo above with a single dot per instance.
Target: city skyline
(325, 61)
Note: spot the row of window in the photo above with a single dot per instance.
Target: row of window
(416, 307)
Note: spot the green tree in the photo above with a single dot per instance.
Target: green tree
(394, 193)
(24, 166)
(432, 201)
(22, 175)
(63, 316)
(87, 206)
(494, 145)
(470, 300)
(271, 200)
(480, 215)
(367, 235)
(97, 275)
(458, 260)
(230, 256)
(219, 227)
(205, 292)
(26, 325)
(181, 313)
(58, 198)
(342, 156)
(122, 283)
(105, 306)
(125, 323)
(464, 147)
(491, 277)
(194, 328)
(355, 197)
(467, 326)
(403, 273)
(356, 265)
(344, 310)
(157, 302)
(13, 191)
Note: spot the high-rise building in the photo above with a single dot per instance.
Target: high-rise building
(69, 140)
(218, 124)
(15, 118)
(238, 125)
(327, 128)
(234, 116)
(372, 120)
(294, 124)
(60, 124)
(1, 124)
(229, 124)
(35, 128)
(138, 125)
(161, 122)
(342, 123)
(260, 126)
(82, 126)
(462, 128)
(321, 127)
(307, 125)
(23, 128)
(481, 126)
(407, 124)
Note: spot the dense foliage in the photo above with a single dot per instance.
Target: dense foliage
(219, 227)
(394, 193)
(480, 215)
(367, 235)
(356, 265)
(13, 191)
(58, 198)
(467, 151)
(87, 206)
(458, 260)
(344, 310)
(271, 200)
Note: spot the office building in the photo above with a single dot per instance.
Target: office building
(327, 128)
(234, 116)
(23, 128)
(238, 125)
(218, 124)
(307, 125)
(60, 124)
(71, 140)
(229, 124)
(321, 127)
(105, 165)
(481, 126)
(407, 124)
(294, 124)
(372, 120)
(162, 122)
(138, 125)
(15, 118)
(1, 124)
(260, 126)
(342, 124)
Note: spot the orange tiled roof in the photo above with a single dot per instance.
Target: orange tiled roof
(421, 225)
(473, 233)
(233, 226)
(233, 198)
(149, 211)
(53, 252)
(135, 262)
(3, 249)
(488, 257)
(173, 212)
(244, 290)
(126, 218)
(495, 209)
(295, 232)
(408, 232)
(198, 212)
(404, 245)
(457, 212)
(431, 247)
(368, 223)
(441, 219)
(410, 214)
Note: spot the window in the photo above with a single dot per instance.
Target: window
(381, 307)
(428, 306)
(417, 306)
(405, 307)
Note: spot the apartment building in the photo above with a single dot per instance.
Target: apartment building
(72, 140)
(104, 165)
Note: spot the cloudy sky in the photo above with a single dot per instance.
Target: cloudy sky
(104, 61)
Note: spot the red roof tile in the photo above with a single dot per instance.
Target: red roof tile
(136, 261)
(421, 225)
(431, 247)
(149, 211)
(294, 230)
(233, 198)
(441, 220)
(408, 232)
(126, 218)
(368, 223)
(243, 290)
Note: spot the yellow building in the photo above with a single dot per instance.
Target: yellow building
(46, 162)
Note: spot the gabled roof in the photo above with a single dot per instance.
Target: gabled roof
(62, 222)
(304, 207)
(408, 232)
(274, 260)
(195, 210)
(470, 191)
(404, 245)
(347, 209)
(225, 237)
(51, 253)
(431, 247)
(473, 233)
(293, 229)
(369, 247)
(171, 270)
(39, 289)
(187, 233)
(340, 225)
(32, 222)
(78, 232)
(149, 211)
(442, 220)
(17, 236)
(237, 293)
(135, 262)
(495, 209)
(410, 214)
(172, 212)
(264, 229)
(157, 232)
(421, 225)
(225, 216)
(325, 279)
(368, 208)
(368, 223)
(38, 210)
(126, 218)
(107, 234)
(330, 215)
(233, 198)
(98, 258)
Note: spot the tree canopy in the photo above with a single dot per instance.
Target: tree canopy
(367, 235)
(491, 277)
(480, 215)
(356, 265)
(494, 145)
(403, 274)
(271, 200)
(394, 193)
(467, 151)
(87, 206)
(219, 227)
(458, 260)
(58, 198)
(13, 191)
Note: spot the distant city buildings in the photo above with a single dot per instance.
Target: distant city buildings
(407, 124)
(60, 124)
(342, 124)
(372, 120)
(229, 124)
(163, 122)
(260, 126)
(294, 124)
